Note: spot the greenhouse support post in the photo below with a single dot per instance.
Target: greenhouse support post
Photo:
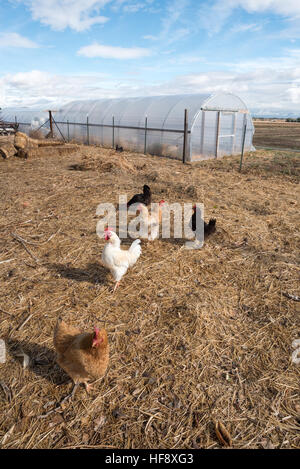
(113, 131)
(243, 145)
(145, 140)
(68, 126)
(185, 136)
(87, 130)
(218, 133)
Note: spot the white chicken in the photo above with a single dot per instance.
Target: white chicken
(116, 259)
(151, 221)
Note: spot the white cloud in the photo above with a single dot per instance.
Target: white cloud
(214, 16)
(16, 40)
(60, 14)
(268, 85)
(132, 6)
(245, 27)
(112, 52)
(38, 87)
(289, 8)
(171, 33)
(79, 15)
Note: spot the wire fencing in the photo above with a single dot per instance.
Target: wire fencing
(144, 138)
(86, 133)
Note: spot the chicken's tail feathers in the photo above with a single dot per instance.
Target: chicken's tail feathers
(135, 251)
(61, 330)
(210, 227)
(60, 325)
(134, 244)
(59, 322)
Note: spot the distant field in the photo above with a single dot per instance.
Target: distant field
(277, 134)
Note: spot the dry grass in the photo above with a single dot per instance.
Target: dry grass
(196, 336)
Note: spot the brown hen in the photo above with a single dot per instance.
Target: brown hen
(83, 355)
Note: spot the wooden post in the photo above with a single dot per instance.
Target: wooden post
(218, 133)
(243, 145)
(185, 136)
(145, 138)
(87, 130)
(51, 124)
(113, 131)
(68, 130)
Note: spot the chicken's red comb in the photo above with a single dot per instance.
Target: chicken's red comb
(161, 202)
(194, 207)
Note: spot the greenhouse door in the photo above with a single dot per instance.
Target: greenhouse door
(226, 133)
(217, 133)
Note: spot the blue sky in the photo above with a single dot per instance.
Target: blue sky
(61, 50)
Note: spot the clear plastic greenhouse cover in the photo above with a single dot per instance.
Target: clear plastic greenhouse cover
(215, 123)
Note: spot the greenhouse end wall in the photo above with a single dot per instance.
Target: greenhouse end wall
(152, 125)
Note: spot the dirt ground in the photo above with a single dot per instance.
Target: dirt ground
(196, 337)
(277, 134)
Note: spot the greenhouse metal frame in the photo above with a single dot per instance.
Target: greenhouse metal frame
(188, 127)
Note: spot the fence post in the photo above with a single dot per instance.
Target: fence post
(68, 131)
(218, 133)
(185, 136)
(113, 131)
(51, 124)
(243, 145)
(145, 139)
(87, 129)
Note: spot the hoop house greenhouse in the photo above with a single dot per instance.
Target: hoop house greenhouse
(213, 126)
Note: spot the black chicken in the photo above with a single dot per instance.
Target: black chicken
(209, 227)
(144, 198)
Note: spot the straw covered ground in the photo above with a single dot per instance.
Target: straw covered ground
(196, 336)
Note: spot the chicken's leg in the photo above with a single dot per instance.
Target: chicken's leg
(71, 395)
(116, 286)
(87, 386)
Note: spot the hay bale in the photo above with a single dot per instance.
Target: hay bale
(7, 150)
(22, 153)
(45, 151)
(49, 143)
(21, 140)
